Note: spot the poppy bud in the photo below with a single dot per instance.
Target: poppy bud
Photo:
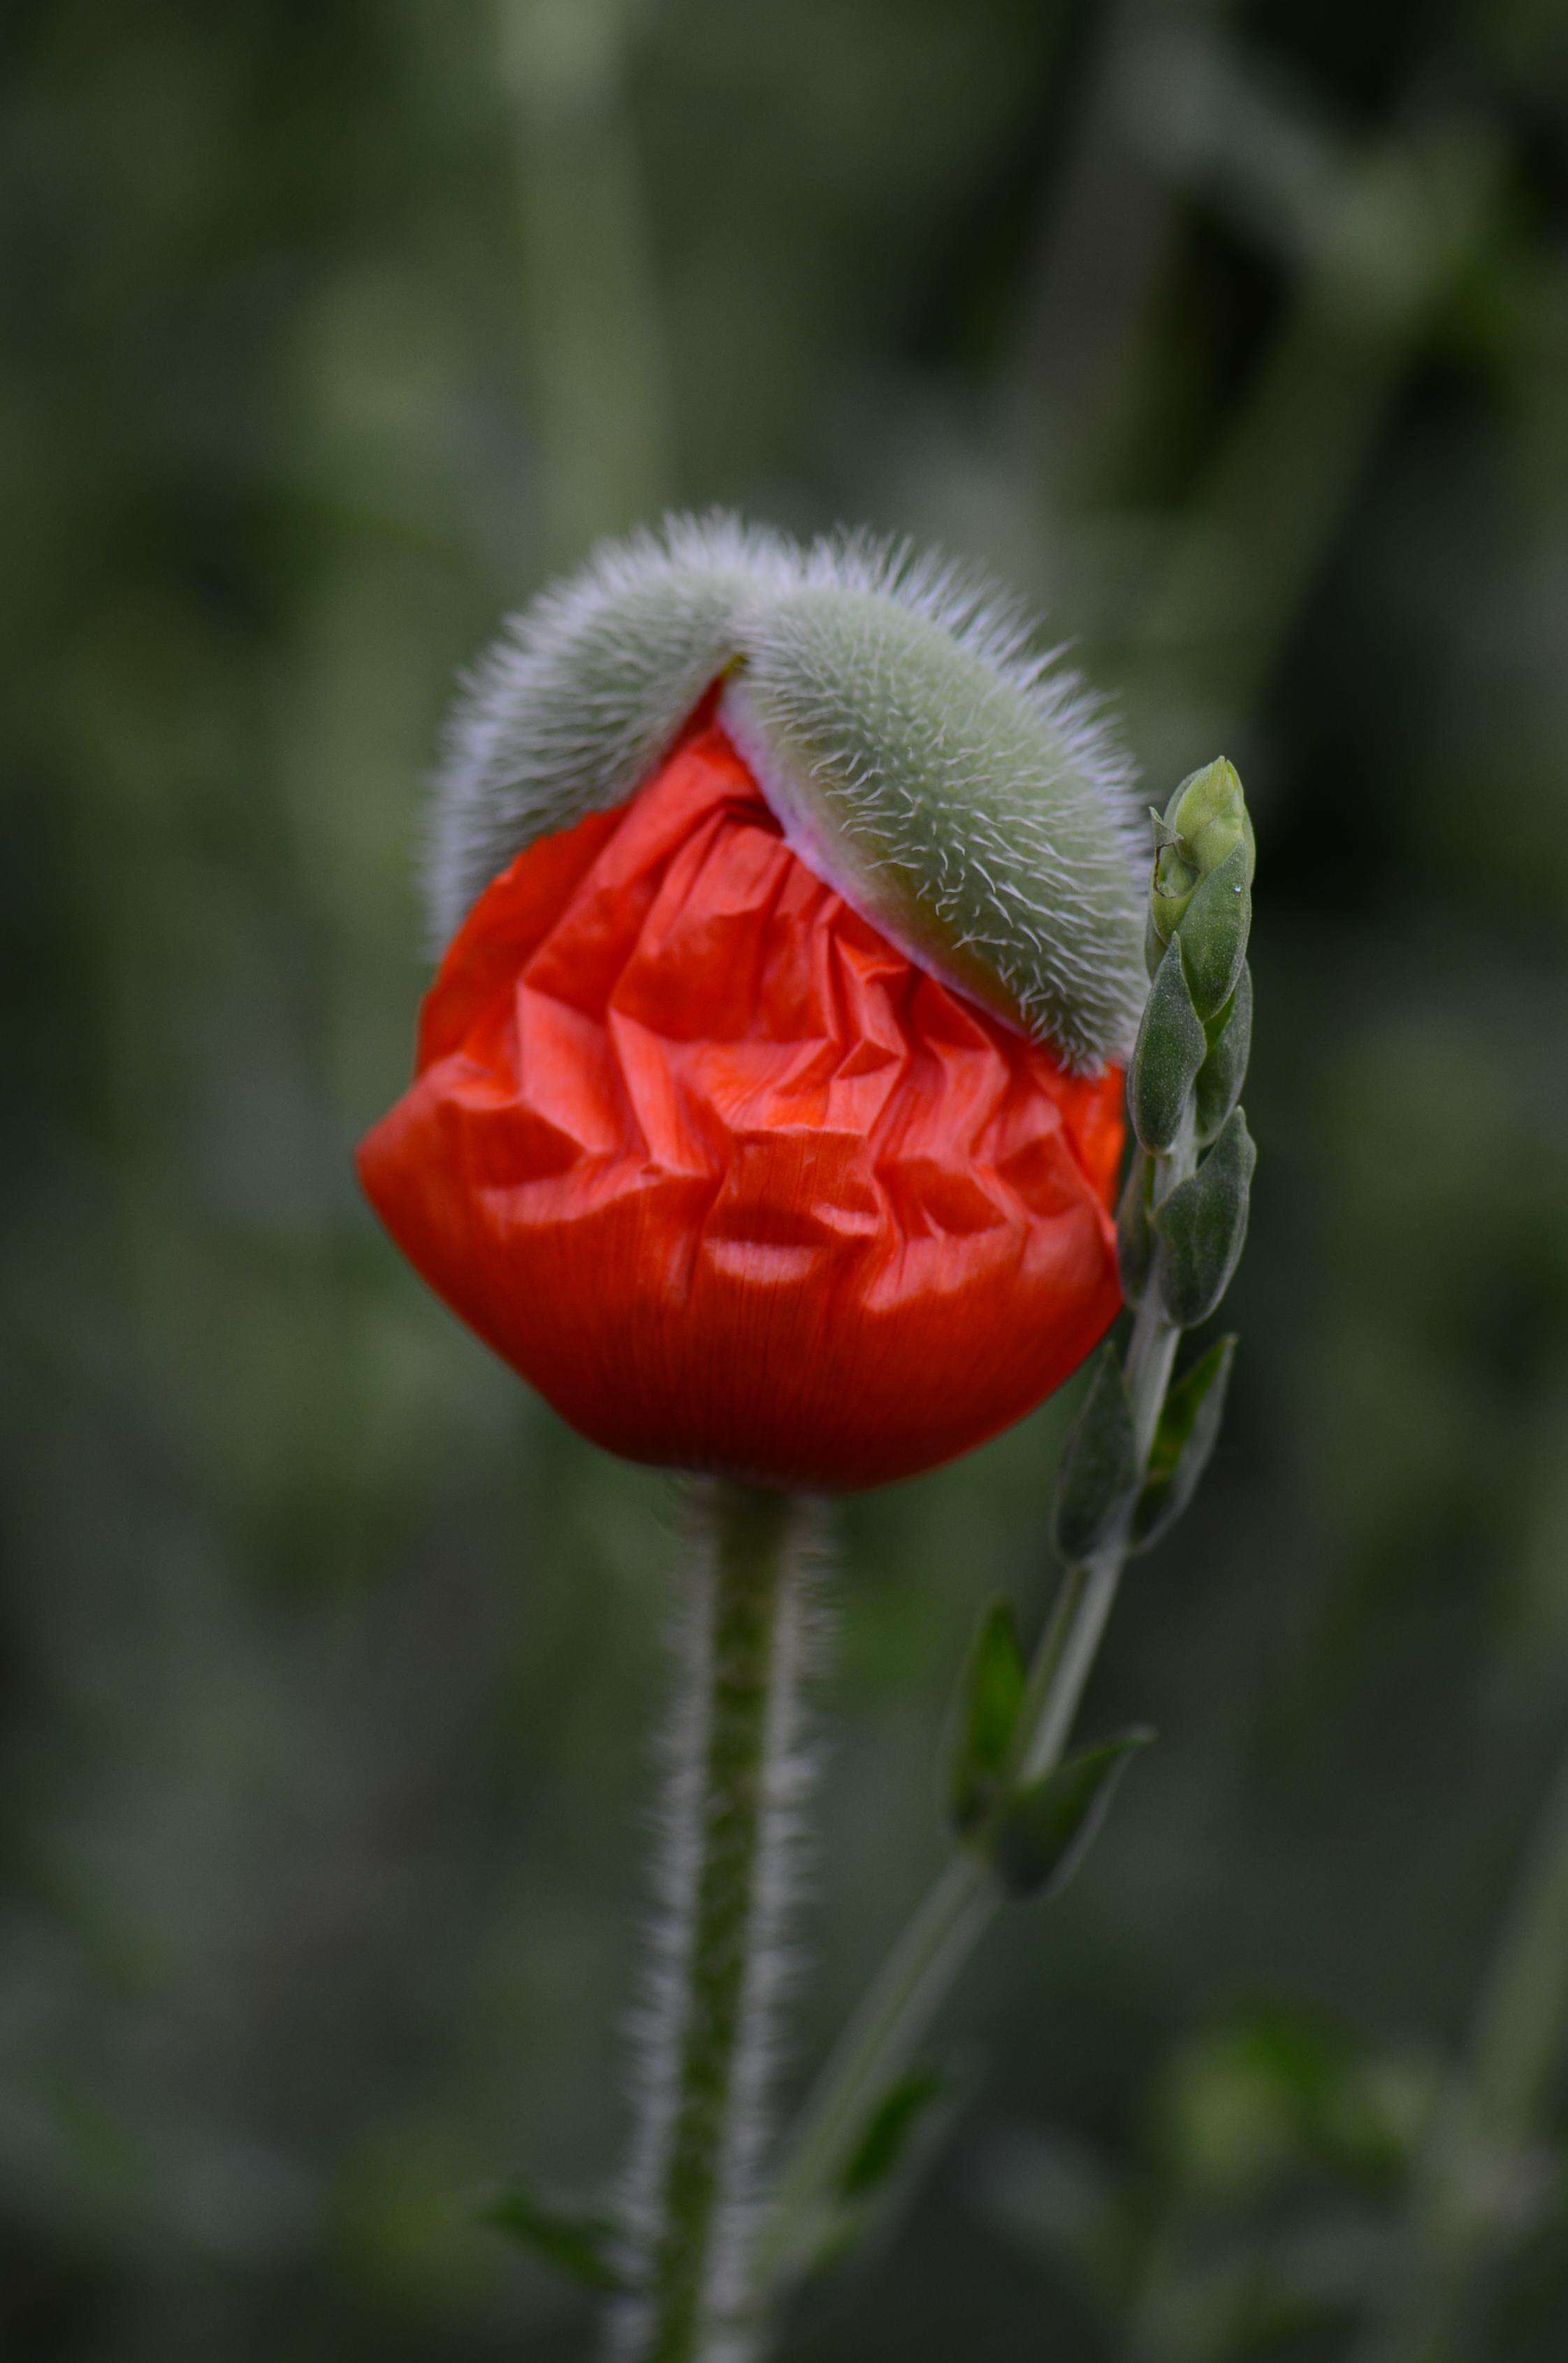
(1204, 822)
(768, 1103)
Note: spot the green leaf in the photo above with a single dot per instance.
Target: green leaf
(1100, 1470)
(1214, 930)
(1222, 1073)
(1136, 1240)
(579, 2245)
(989, 1697)
(1202, 1224)
(1189, 1422)
(1046, 1829)
(885, 2143)
(876, 2180)
(1171, 1046)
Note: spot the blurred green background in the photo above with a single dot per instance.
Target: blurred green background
(1237, 338)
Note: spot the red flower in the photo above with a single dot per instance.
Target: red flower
(726, 1176)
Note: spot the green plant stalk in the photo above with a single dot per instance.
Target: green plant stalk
(965, 1897)
(691, 2200)
(1490, 2111)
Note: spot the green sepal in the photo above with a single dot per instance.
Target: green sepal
(1222, 1073)
(1189, 1422)
(1202, 1224)
(1047, 1828)
(1214, 930)
(1171, 1046)
(1206, 816)
(1098, 1474)
(906, 2118)
(1136, 1240)
(581, 2247)
(986, 1716)
(889, 2132)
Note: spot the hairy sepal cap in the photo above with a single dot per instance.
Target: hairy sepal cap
(583, 694)
(963, 816)
(958, 791)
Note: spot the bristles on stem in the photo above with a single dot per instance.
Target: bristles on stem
(706, 2038)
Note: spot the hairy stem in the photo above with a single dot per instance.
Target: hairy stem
(691, 2200)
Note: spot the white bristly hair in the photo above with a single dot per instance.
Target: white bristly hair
(585, 690)
(956, 783)
(670, 2036)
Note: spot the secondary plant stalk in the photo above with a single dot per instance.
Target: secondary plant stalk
(964, 1900)
(706, 2053)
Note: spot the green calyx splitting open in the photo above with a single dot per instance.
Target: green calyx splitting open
(959, 790)
(1203, 825)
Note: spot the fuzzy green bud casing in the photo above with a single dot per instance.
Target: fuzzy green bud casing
(957, 814)
(958, 790)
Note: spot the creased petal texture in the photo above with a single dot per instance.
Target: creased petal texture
(727, 1177)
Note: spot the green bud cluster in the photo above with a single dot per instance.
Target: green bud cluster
(1131, 1463)
(1183, 1219)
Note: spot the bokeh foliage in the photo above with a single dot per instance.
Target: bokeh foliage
(1238, 337)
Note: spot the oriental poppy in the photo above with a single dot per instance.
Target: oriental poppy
(767, 1106)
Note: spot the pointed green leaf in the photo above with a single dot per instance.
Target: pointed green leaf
(1136, 1240)
(878, 2178)
(1224, 1070)
(579, 2245)
(1046, 1829)
(1099, 1473)
(1202, 1226)
(1171, 1046)
(1214, 930)
(889, 2131)
(989, 1697)
(1189, 1422)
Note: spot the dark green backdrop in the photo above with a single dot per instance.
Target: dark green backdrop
(1238, 339)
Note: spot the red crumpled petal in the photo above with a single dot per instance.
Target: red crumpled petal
(725, 1175)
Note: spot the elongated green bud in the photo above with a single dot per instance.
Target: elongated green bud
(1046, 1829)
(1204, 822)
(1171, 1048)
(1222, 1073)
(1183, 1438)
(1203, 1225)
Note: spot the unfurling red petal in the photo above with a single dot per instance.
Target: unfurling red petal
(731, 1181)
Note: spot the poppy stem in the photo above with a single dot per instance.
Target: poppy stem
(707, 2050)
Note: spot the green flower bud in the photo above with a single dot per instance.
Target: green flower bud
(1204, 822)
(1222, 1073)
(1046, 1829)
(1172, 1045)
(1203, 1225)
